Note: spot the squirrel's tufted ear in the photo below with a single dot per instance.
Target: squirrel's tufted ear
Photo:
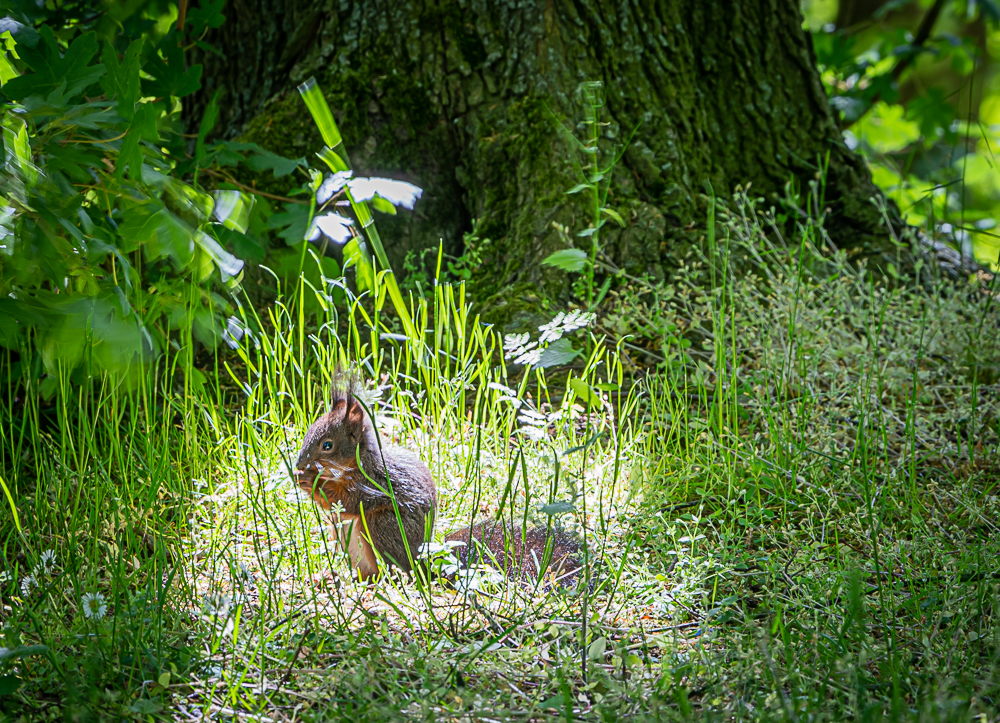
(355, 412)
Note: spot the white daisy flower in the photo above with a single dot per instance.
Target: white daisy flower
(332, 225)
(28, 584)
(47, 565)
(94, 605)
(5, 576)
(398, 193)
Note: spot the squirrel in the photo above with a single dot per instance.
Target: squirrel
(504, 546)
(328, 468)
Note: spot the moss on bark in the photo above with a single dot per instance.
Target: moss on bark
(458, 98)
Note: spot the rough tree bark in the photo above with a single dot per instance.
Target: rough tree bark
(455, 97)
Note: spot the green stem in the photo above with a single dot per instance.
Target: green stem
(596, 195)
(335, 156)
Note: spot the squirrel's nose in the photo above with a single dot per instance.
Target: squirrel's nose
(306, 470)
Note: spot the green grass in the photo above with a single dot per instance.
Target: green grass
(793, 518)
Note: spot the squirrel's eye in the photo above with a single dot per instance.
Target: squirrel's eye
(327, 445)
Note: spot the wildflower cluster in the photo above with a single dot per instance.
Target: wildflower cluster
(44, 569)
(550, 349)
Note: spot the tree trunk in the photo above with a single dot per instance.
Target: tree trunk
(459, 98)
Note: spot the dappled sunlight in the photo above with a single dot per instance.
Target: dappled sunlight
(578, 360)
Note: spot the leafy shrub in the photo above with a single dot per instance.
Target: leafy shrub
(913, 85)
(105, 250)
(111, 246)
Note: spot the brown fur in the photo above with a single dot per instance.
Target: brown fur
(518, 555)
(341, 462)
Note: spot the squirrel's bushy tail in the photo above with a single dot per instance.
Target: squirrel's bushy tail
(519, 554)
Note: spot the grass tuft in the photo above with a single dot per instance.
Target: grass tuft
(794, 516)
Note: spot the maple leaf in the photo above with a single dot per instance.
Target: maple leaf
(122, 80)
(53, 69)
(169, 76)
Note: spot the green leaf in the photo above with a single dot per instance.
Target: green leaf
(145, 706)
(556, 701)
(886, 130)
(115, 343)
(557, 508)
(9, 684)
(15, 141)
(229, 265)
(356, 255)
(209, 48)
(584, 392)
(169, 76)
(15, 317)
(320, 110)
(835, 51)
(597, 649)
(10, 501)
(577, 188)
(567, 260)
(265, 160)
(247, 246)
(588, 232)
(122, 80)
(380, 204)
(52, 69)
(208, 14)
(142, 128)
(292, 223)
(7, 70)
(232, 209)
(198, 381)
(49, 386)
(932, 112)
(21, 652)
(208, 120)
(191, 204)
(558, 353)
(602, 292)
(224, 156)
(162, 233)
(614, 214)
